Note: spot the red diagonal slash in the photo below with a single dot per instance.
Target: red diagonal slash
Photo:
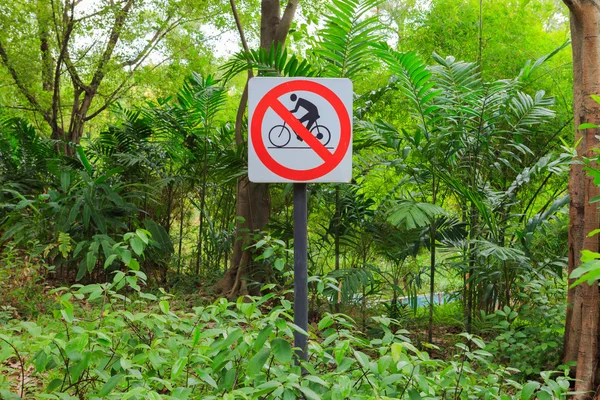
(301, 131)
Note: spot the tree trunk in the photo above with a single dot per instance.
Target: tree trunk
(253, 200)
(582, 322)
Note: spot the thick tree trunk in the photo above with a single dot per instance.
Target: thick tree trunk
(253, 201)
(583, 312)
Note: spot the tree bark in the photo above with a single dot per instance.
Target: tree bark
(583, 311)
(253, 200)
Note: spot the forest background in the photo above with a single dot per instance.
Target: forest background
(141, 263)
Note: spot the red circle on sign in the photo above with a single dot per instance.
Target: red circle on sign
(270, 98)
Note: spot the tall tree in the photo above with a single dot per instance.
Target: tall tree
(253, 205)
(70, 60)
(583, 313)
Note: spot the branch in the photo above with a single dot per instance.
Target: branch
(238, 23)
(21, 108)
(24, 90)
(73, 72)
(110, 46)
(158, 35)
(116, 92)
(239, 118)
(57, 72)
(286, 22)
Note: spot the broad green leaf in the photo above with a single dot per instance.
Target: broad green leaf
(52, 386)
(110, 385)
(262, 337)
(396, 351)
(413, 394)
(164, 306)
(206, 377)
(137, 245)
(282, 350)
(528, 389)
(178, 367)
(256, 363)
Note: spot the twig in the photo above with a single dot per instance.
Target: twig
(21, 361)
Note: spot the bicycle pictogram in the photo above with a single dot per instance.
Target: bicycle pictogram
(280, 135)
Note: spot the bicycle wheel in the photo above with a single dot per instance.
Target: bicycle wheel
(279, 136)
(323, 131)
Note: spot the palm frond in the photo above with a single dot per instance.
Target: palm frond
(411, 214)
(529, 111)
(350, 29)
(272, 62)
(485, 248)
(414, 81)
(351, 282)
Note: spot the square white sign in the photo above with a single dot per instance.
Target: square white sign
(300, 130)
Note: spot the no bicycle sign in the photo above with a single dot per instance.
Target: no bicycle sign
(300, 130)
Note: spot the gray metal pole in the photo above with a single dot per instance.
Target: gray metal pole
(300, 268)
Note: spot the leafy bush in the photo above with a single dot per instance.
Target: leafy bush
(134, 345)
(530, 337)
(21, 275)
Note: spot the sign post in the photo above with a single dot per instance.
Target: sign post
(300, 269)
(300, 132)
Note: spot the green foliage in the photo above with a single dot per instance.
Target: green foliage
(529, 336)
(345, 47)
(269, 62)
(23, 276)
(236, 350)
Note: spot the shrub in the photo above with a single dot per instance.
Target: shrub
(113, 341)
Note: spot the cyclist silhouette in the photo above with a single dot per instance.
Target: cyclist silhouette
(311, 116)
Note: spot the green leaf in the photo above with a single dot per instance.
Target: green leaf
(279, 264)
(81, 366)
(109, 260)
(39, 361)
(83, 158)
(543, 395)
(134, 264)
(110, 385)
(262, 337)
(142, 235)
(81, 270)
(593, 233)
(65, 181)
(396, 351)
(164, 306)
(587, 255)
(119, 275)
(137, 245)
(178, 367)
(67, 311)
(256, 363)
(413, 214)
(325, 322)
(52, 386)
(413, 394)
(589, 126)
(282, 350)
(196, 335)
(206, 377)
(528, 389)
(90, 261)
